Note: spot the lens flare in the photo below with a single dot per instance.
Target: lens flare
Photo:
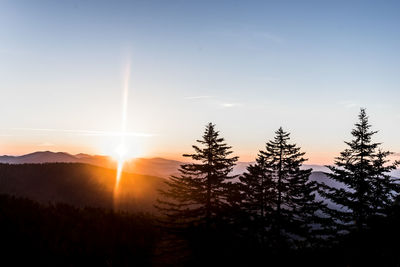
(121, 149)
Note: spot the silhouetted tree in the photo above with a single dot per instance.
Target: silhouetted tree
(199, 195)
(278, 194)
(385, 188)
(258, 198)
(366, 189)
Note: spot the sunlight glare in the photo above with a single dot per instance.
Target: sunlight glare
(121, 152)
(121, 149)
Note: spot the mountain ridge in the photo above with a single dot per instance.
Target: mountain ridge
(80, 184)
(155, 166)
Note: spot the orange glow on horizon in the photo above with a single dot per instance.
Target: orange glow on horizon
(135, 149)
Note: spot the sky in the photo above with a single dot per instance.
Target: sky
(247, 66)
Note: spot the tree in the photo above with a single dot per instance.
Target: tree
(198, 196)
(278, 194)
(366, 189)
(258, 193)
(385, 188)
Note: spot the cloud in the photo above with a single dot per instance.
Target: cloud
(217, 101)
(231, 105)
(349, 104)
(89, 132)
(199, 97)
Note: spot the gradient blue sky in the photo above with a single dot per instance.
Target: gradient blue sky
(248, 66)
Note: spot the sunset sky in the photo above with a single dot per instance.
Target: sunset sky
(249, 68)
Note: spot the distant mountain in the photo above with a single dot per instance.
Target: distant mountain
(147, 166)
(39, 157)
(241, 167)
(153, 166)
(79, 185)
(396, 173)
(82, 184)
(321, 177)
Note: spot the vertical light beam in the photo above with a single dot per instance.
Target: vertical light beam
(121, 148)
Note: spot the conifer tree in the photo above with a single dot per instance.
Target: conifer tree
(278, 193)
(258, 194)
(366, 189)
(385, 188)
(198, 196)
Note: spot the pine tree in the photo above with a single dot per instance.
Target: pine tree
(279, 194)
(198, 196)
(258, 193)
(385, 188)
(366, 189)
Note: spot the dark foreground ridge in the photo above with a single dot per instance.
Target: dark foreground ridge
(61, 235)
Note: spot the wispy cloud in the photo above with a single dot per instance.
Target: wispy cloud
(349, 104)
(199, 97)
(216, 100)
(231, 105)
(21, 134)
(88, 132)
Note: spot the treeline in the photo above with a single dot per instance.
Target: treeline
(33, 234)
(275, 208)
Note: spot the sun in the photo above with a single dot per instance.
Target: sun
(125, 151)
(121, 152)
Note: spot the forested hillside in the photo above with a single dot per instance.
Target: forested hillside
(79, 185)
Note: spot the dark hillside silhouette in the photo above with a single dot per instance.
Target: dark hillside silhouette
(62, 235)
(79, 185)
(146, 166)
